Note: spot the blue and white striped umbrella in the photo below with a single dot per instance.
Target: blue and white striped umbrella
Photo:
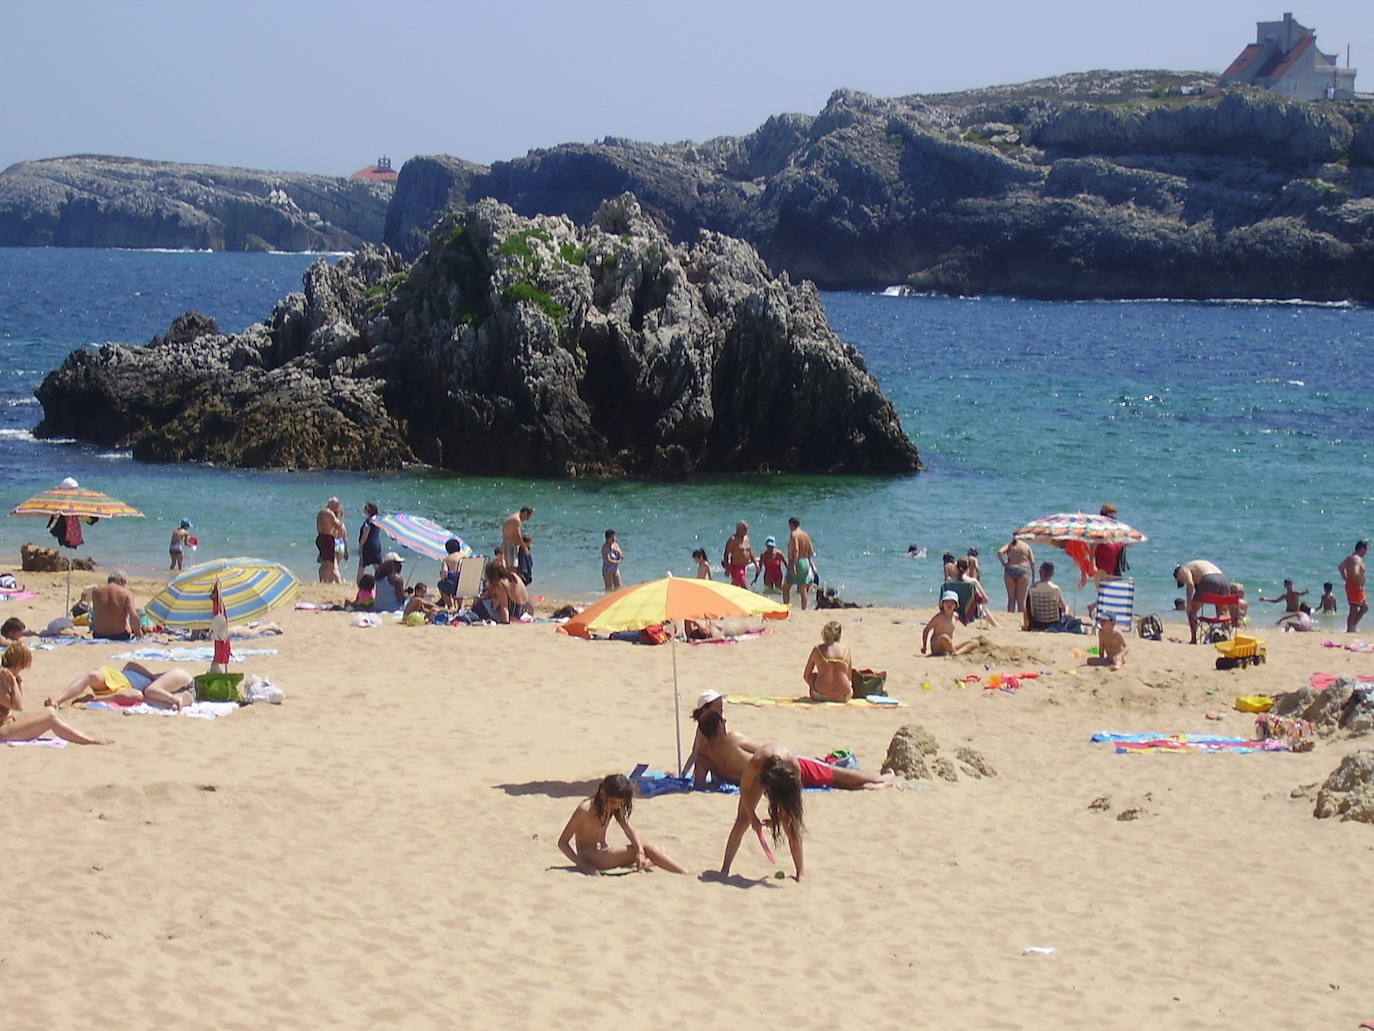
(248, 588)
(420, 535)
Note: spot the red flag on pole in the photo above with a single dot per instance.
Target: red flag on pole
(219, 630)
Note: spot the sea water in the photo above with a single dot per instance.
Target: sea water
(1237, 432)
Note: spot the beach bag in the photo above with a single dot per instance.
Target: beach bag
(218, 687)
(843, 758)
(867, 682)
(654, 635)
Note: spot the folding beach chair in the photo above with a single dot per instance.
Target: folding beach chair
(1118, 598)
(967, 609)
(1224, 620)
(469, 584)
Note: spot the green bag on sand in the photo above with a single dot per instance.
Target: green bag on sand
(867, 682)
(218, 687)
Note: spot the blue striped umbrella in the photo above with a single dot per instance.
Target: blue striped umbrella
(248, 587)
(420, 535)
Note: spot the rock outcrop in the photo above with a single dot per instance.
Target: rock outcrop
(512, 345)
(1092, 185)
(96, 201)
(1348, 792)
(1344, 707)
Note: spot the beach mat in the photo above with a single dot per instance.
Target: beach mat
(1186, 744)
(198, 654)
(874, 702)
(38, 742)
(196, 710)
(658, 782)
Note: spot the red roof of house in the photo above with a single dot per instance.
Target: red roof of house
(1243, 59)
(376, 174)
(1280, 63)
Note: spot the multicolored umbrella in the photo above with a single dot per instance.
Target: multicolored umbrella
(248, 588)
(648, 604)
(422, 536)
(69, 499)
(1077, 533)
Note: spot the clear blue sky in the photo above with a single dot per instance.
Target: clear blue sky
(316, 86)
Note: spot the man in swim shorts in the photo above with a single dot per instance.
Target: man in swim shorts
(800, 553)
(739, 554)
(1200, 577)
(1352, 570)
(329, 528)
(114, 616)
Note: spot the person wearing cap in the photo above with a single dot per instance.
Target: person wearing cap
(1111, 642)
(708, 701)
(178, 546)
(772, 564)
(939, 632)
(389, 587)
(114, 616)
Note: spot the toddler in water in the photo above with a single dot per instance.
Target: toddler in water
(584, 838)
(772, 564)
(703, 564)
(1328, 602)
(177, 548)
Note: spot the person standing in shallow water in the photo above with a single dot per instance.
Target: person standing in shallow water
(329, 528)
(1017, 560)
(611, 557)
(1352, 570)
(800, 556)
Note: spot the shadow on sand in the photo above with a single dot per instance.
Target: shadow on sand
(552, 788)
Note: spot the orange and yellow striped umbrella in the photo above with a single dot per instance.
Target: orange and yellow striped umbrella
(74, 501)
(641, 605)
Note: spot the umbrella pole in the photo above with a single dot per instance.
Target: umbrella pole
(677, 714)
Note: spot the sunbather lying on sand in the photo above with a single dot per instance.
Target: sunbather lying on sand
(132, 683)
(15, 660)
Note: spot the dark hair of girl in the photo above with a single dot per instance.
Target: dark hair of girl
(617, 785)
(781, 782)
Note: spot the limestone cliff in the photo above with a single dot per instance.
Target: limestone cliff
(512, 345)
(93, 201)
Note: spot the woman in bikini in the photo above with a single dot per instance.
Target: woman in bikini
(829, 668)
(15, 660)
(1017, 562)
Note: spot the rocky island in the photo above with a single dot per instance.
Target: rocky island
(95, 201)
(523, 346)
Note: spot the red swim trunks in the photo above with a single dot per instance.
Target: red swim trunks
(816, 774)
(1354, 593)
(737, 575)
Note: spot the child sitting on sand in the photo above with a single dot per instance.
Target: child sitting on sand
(1111, 642)
(939, 632)
(419, 606)
(584, 838)
(367, 592)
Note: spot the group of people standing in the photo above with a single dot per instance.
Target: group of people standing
(780, 571)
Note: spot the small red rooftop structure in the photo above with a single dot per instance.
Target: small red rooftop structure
(1284, 58)
(381, 172)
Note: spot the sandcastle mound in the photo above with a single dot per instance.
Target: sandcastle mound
(1345, 707)
(914, 754)
(1349, 791)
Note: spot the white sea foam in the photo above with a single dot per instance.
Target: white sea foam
(19, 435)
(16, 402)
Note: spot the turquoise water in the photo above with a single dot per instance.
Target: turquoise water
(1238, 432)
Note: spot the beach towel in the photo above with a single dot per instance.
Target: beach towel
(1321, 681)
(196, 710)
(874, 702)
(728, 640)
(1182, 744)
(204, 653)
(657, 782)
(1353, 646)
(17, 595)
(40, 742)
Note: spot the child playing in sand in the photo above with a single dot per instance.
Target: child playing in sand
(939, 632)
(1300, 620)
(367, 592)
(1111, 642)
(703, 564)
(772, 564)
(419, 605)
(584, 838)
(1328, 602)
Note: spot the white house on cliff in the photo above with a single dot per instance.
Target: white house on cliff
(1284, 58)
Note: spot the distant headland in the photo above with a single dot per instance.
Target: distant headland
(1095, 184)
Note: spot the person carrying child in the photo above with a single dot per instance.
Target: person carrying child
(939, 632)
(584, 838)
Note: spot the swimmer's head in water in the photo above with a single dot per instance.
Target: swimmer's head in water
(615, 788)
(781, 782)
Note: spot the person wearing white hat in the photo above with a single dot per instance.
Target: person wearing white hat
(939, 632)
(708, 701)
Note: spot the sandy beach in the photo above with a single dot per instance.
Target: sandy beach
(380, 850)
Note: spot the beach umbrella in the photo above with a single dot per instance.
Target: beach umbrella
(422, 536)
(70, 500)
(1078, 533)
(248, 588)
(648, 604)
